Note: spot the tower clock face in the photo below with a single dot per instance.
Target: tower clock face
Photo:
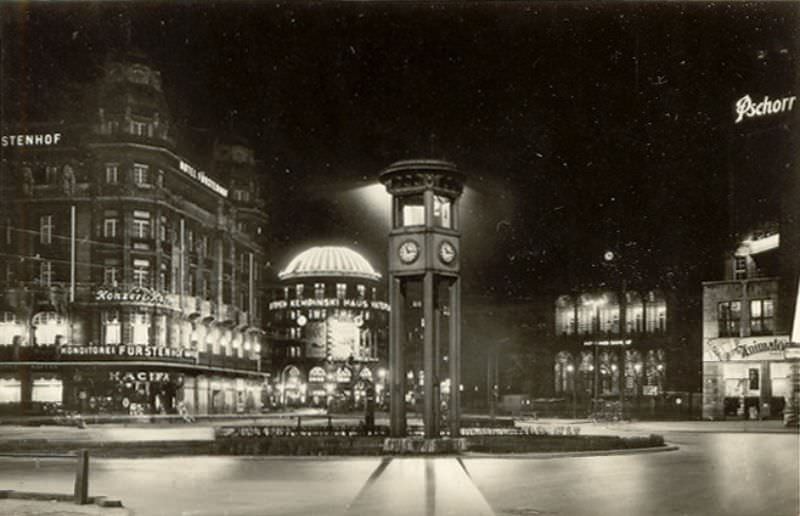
(447, 252)
(408, 251)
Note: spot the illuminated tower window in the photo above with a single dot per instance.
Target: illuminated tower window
(442, 211)
(411, 210)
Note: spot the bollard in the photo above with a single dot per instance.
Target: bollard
(82, 478)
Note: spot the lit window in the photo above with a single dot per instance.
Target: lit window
(51, 328)
(50, 174)
(362, 291)
(319, 291)
(141, 224)
(162, 229)
(411, 210)
(141, 328)
(740, 267)
(111, 272)
(112, 173)
(298, 291)
(110, 227)
(138, 128)
(46, 272)
(762, 313)
(729, 314)
(140, 174)
(141, 273)
(46, 229)
(442, 211)
(341, 290)
(112, 333)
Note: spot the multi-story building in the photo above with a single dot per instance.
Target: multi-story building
(612, 345)
(329, 329)
(748, 357)
(130, 277)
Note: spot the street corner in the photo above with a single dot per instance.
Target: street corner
(11, 507)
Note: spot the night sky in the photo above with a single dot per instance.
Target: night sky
(582, 126)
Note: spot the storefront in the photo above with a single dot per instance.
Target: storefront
(748, 377)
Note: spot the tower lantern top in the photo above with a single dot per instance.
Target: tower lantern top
(416, 175)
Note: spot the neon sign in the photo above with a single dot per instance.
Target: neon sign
(746, 108)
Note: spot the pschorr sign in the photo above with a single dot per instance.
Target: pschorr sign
(127, 352)
(746, 107)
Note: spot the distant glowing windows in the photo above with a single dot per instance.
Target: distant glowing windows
(740, 267)
(110, 224)
(50, 328)
(111, 273)
(141, 174)
(362, 291)
(46, 272)
(316, 375)
(341, 290)
(140, 324)
(141, 224)
(319, 291)
(298, 291)
(141, 273)
(10, 329)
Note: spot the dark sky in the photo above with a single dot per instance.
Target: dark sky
(582, 126)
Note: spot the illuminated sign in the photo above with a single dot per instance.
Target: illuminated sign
(139, 376)
(30, 140)
(128, 352)
(749, 348)
(136, 295)
(201, 177)
(747, 108)
(329, 303)
(620, 342)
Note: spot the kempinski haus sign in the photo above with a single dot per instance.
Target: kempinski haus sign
(329, 303)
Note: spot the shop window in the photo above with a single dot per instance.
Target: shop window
(47, 390)
(141, 224)
(341, 290)
(411, 210)
(46, 272)
(729, 314)
(112, 173)
(50, 328)
(442, 211)
(319, 291)
(112, 328)
(140, 323)
(46, 229)
(10, 390)
(141, 174)
(752, 379)
(762, 317)
(141, 273)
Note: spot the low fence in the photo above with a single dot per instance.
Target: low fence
(81, 492)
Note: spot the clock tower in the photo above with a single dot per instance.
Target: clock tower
(424, 264)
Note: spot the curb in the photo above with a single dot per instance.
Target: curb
(560, 455)
(100, 501)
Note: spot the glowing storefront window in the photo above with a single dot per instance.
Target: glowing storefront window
(316, 375)
(344, 375)
(47, 390)
(10, 328)
(10, 390)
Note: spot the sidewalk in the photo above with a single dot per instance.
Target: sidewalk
(38, 508)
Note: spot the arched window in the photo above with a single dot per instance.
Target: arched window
(565, 316)
(344, 375)
(316, 375)
(50, 328)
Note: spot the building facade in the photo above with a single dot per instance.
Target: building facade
(611, 346)
(750, 364)
(328, 330)
(130, 277)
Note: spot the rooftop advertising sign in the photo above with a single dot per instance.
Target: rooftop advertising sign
(746, 107)
(329, 303)
(127, 352)
(135, 295)
(202, 178)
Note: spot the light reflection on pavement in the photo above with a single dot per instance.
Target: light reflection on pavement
(711, 474)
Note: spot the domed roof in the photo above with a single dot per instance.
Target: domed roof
(331, 261)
